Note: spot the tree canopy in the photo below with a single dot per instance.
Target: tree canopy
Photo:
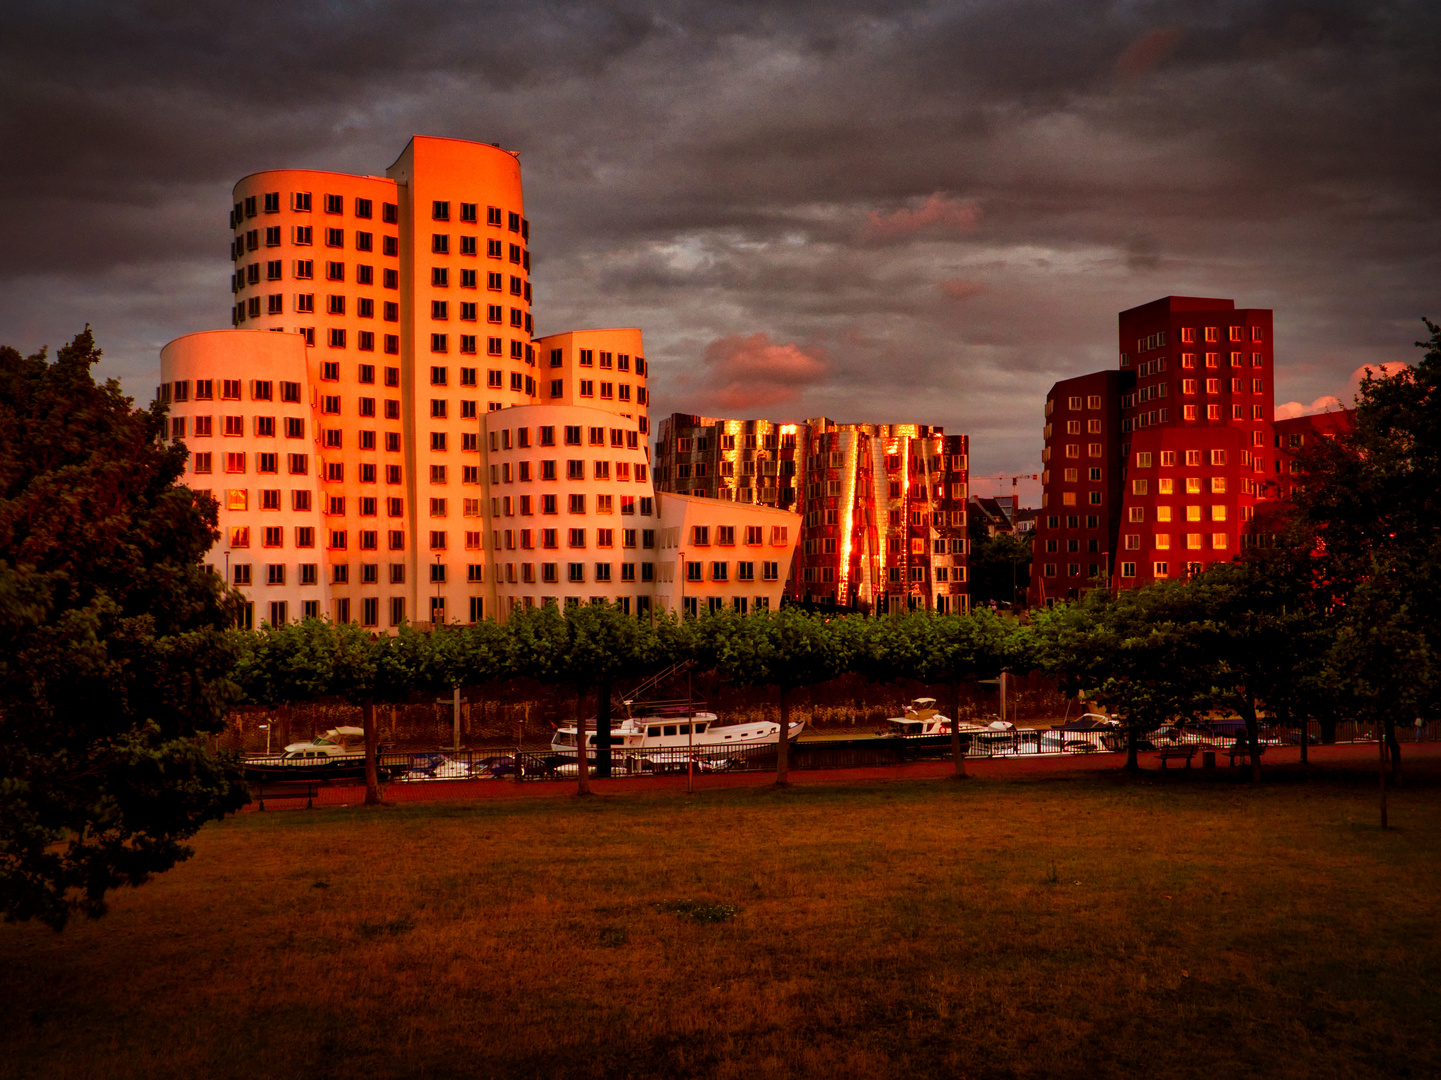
(114, 655)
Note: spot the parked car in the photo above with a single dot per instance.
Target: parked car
(435, 766)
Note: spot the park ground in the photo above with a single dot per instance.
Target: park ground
(1044, 922)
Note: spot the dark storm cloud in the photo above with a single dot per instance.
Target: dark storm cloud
(949, 202)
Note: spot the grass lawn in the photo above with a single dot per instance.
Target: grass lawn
(1170, 925)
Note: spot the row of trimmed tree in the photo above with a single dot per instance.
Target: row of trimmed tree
(596, 648)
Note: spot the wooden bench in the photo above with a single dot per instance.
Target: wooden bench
(280, 792)
(1187, 752)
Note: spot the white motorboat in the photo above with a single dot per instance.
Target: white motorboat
(923, 718)
(670, 736)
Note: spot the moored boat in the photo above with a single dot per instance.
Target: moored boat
(337, 755)
(672, 734)
(922, 718)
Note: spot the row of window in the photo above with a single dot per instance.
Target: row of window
(549, 539)
(275, 574)
(440, 211)
(235, 463)
(602, 573)
(525, 505)
(1166, 485)
(300, 203)
(230, 390)
(494, 249)
(1192, 412)
(304, 236)
(1213, 333)
(272, 536)
(238, 499)
(264, 426)
(608, 391)
(1213, 386)
(1168, 458)
(686, 444)
(304, 270)
(520, 472)
(1162, 541)
(573, 435)
(587, 358)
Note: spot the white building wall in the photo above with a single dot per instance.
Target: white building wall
(255, 452)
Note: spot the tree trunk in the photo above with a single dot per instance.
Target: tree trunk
(1253, 735)
(1133, 763)
(956, 751)
(1381, 771)
(1393, 744)
(783, 743)
(372, 741)
(602, 729)
(582, 778)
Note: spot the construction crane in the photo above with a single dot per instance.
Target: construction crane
(1014, 478)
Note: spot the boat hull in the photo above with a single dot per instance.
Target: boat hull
(335, 771)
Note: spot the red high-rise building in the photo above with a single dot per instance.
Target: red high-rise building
(1194, 393)
(1077, 527)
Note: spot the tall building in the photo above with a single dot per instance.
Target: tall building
(883, 505)
(1154, 470)
(389, 441)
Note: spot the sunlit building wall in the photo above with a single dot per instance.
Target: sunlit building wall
(883, 505)
(1193, 450)
(399, 309)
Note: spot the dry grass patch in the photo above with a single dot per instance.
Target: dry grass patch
(1094, 926)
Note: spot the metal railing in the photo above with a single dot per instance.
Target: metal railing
(505, 762)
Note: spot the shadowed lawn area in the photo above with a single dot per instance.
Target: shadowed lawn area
(1176, 925)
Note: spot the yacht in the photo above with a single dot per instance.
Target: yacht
(670, 734)
(923, 718)
(339, 754)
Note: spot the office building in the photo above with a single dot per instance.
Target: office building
(387, 438)
(1154, 470)
(883, 506)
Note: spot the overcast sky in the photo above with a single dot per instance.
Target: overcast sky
(877, 212)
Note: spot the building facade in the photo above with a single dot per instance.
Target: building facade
(883, 506)
(386, 437)
(1155, 470)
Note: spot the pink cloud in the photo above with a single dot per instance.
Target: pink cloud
(1378, 371)
(958, 289)
(1332, 403)
(937, 210)
(744, 373)
(1292, 409)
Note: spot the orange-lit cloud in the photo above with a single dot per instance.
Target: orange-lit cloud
(960, 289)
(938, 210)
(1145, 54)
(1330, 402)
(750, 372)
(1324, 403)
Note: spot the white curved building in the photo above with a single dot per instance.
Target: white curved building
(365, 445)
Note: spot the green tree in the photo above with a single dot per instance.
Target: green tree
(114, 656)
(1132, 652)
(960, 649)
(1370, 510)
(786, 649)
(1263, 641)
(588, 648)
(998, 567)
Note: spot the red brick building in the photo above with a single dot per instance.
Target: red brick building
(1153, 471)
